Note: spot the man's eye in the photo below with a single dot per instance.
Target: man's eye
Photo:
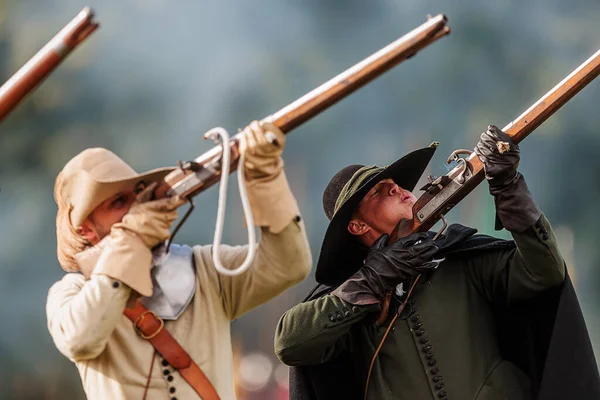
(139, 188)
(118, 202)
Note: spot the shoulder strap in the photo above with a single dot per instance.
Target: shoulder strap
(151, 327)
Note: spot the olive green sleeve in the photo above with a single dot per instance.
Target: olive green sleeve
(317, 331)
(533, 266)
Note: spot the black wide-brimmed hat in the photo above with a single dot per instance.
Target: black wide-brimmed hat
(341, 254)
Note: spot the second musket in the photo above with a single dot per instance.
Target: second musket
(45, 61)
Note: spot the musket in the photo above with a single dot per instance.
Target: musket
(196, 176)
(46, 60)
(445, 192)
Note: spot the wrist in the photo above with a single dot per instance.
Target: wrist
(497, 185)
(265, 171)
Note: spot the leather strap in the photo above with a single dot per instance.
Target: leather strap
(396, 315)
(151, 327)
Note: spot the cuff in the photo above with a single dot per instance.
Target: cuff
(127, 259)
(516, 209)
(272, 202)
(356, 291)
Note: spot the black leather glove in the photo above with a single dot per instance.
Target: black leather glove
(516, 209)
(387, 266)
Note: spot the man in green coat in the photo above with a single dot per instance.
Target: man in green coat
(440, 336)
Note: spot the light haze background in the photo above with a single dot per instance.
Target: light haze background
(157, 74)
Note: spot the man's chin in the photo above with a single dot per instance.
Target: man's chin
(403, 227)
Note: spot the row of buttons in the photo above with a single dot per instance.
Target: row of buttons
(338, 316)
(168, 376)
(427, 350)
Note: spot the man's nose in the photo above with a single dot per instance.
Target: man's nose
(394, 189)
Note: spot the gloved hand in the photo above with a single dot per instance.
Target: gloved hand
(387, 266)
(271, 200)
(500, 167)
(150, 221)
(262, 145)
(516, 209)
(125, 254)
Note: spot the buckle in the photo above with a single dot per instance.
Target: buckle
(140, 332)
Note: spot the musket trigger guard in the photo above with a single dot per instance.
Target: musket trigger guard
(461, 163)
(443, 227)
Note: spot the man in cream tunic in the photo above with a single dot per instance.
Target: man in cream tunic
(104, 240)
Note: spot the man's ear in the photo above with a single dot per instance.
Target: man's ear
(357, 227)
(87, 232)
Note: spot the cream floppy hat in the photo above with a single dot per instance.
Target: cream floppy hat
(93, 176)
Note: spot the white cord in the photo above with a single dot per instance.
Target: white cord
(214, 134)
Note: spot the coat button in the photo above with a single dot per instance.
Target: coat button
(170, 378)
(339, 316)
(424, 340)
(346, 313)
(434, 371)
(429, 355)
(432, 362)
(425, 349)
(545, 236)
(437, 378)
(418, 325)
(354, 309)
(166, 372)
(420, 332)
(116, 285)
(439, 385)
(164, 363)
(332, 317)
(442, 394)
(172, 390)
(415, 318)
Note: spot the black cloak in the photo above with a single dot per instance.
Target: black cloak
(546, 337)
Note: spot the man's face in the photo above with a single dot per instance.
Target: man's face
(97, 225)
(380, 210)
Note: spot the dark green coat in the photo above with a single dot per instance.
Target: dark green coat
(445, 345)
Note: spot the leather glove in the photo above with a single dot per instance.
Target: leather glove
(516, 209)
(125, 254)
(150, 221)
(387, 266)
(271, 200)
(262, 145)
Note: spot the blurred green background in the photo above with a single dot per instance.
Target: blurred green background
(157, 74)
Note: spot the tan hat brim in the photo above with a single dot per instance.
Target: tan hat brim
(90, 193)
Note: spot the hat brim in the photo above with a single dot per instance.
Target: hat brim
(101, 190)
(341, 254)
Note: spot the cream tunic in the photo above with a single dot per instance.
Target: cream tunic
(86, 321)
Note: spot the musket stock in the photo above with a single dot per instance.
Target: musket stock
(46, 60)
(205, 170)
(455, 185)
